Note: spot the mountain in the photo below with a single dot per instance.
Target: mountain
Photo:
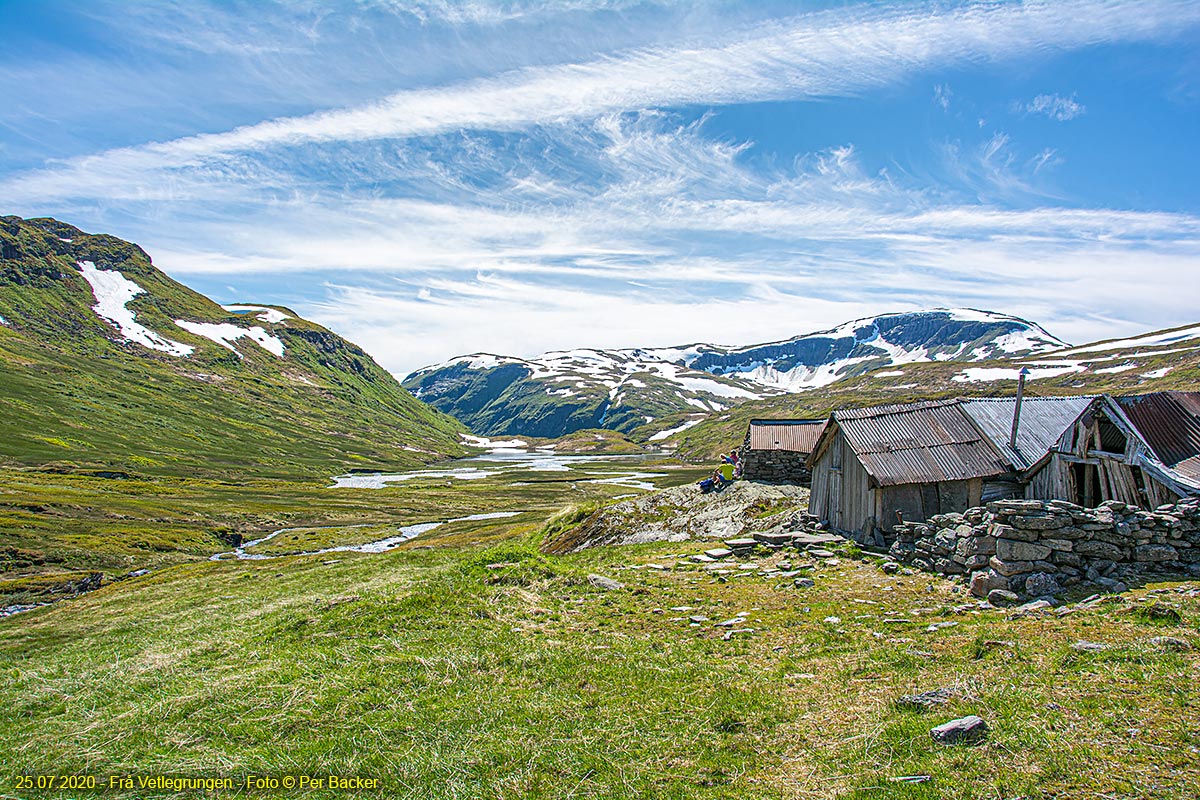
(561, 392)
(108, 364)
(1154, 361)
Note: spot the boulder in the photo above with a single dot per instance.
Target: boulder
(1041, 522)
(1155, 552)
(1003, 598)
(601, 582)
(1010, 568)
(975, 546)
(984, 581)
(965, 730)
(1096, 549)
(1009, 532)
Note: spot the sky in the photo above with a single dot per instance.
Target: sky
(430, 178)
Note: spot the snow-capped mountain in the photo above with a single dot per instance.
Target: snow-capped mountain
(560, 392)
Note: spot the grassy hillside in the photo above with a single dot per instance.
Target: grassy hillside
(501, 672)
(77, 395)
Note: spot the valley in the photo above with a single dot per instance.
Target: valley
(231, 542)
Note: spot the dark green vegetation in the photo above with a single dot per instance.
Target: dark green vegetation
(74, 393)
(497, 671)
(586, 393)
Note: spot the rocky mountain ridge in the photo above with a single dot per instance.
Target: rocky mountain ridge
(560, 392)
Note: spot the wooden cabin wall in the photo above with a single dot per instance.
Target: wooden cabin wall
(841, 492)
(1053, 481)
(919, 501)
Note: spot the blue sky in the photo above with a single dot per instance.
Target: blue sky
(432, 178)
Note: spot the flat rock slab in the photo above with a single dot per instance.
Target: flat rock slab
(805, 539)
(1090, 647)
(1171, 643)
(737, 631)
(965, 730)
(926, 700)
(775, 538)
(1003, 598)
(719, 552)
(703, 558)
(601, 582)
(817, 552)
(741, 544)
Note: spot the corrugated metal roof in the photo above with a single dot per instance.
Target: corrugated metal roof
(793, 435)
(1169, 422)
(927, 442)
(1043, 420)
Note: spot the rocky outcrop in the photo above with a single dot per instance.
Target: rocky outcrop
(1038, 548)
(682, 513)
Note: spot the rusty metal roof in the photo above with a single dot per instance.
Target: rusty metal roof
(1043, 421)
(793, 435)
(928, 442)
(1169, 422)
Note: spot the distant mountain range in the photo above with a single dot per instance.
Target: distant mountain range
(561, 392)
(109, 364)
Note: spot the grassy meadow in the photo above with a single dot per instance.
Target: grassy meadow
(467, 663)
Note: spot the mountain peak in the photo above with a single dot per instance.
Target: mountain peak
(565, 390)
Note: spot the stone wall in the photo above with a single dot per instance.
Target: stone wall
(773, 466)
(1038, 548)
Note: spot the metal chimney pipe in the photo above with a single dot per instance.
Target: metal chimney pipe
(1012, 439)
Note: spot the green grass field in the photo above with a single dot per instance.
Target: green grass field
(467, 663)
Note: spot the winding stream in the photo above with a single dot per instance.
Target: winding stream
(378, 546)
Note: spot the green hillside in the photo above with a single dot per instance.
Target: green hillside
(77, 395)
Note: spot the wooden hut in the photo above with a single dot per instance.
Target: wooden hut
(1039, 425)
(1143, 450)
(777, 450)
(874, 466)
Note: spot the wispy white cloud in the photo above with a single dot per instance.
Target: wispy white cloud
(1055, 107)
(575, 203)
(682, 231)
(941, 96)
(813, 56)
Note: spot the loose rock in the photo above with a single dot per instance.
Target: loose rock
(601, 582)
(965, 730)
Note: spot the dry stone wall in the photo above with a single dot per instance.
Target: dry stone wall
(1038, 548)
(773, 466)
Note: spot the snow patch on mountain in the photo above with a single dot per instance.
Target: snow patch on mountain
(1150, 340)
(225, 334)
(986, 374)
(270, 315)
(691, 423)
(113, 291)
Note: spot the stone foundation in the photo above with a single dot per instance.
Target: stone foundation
(1038, 548)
